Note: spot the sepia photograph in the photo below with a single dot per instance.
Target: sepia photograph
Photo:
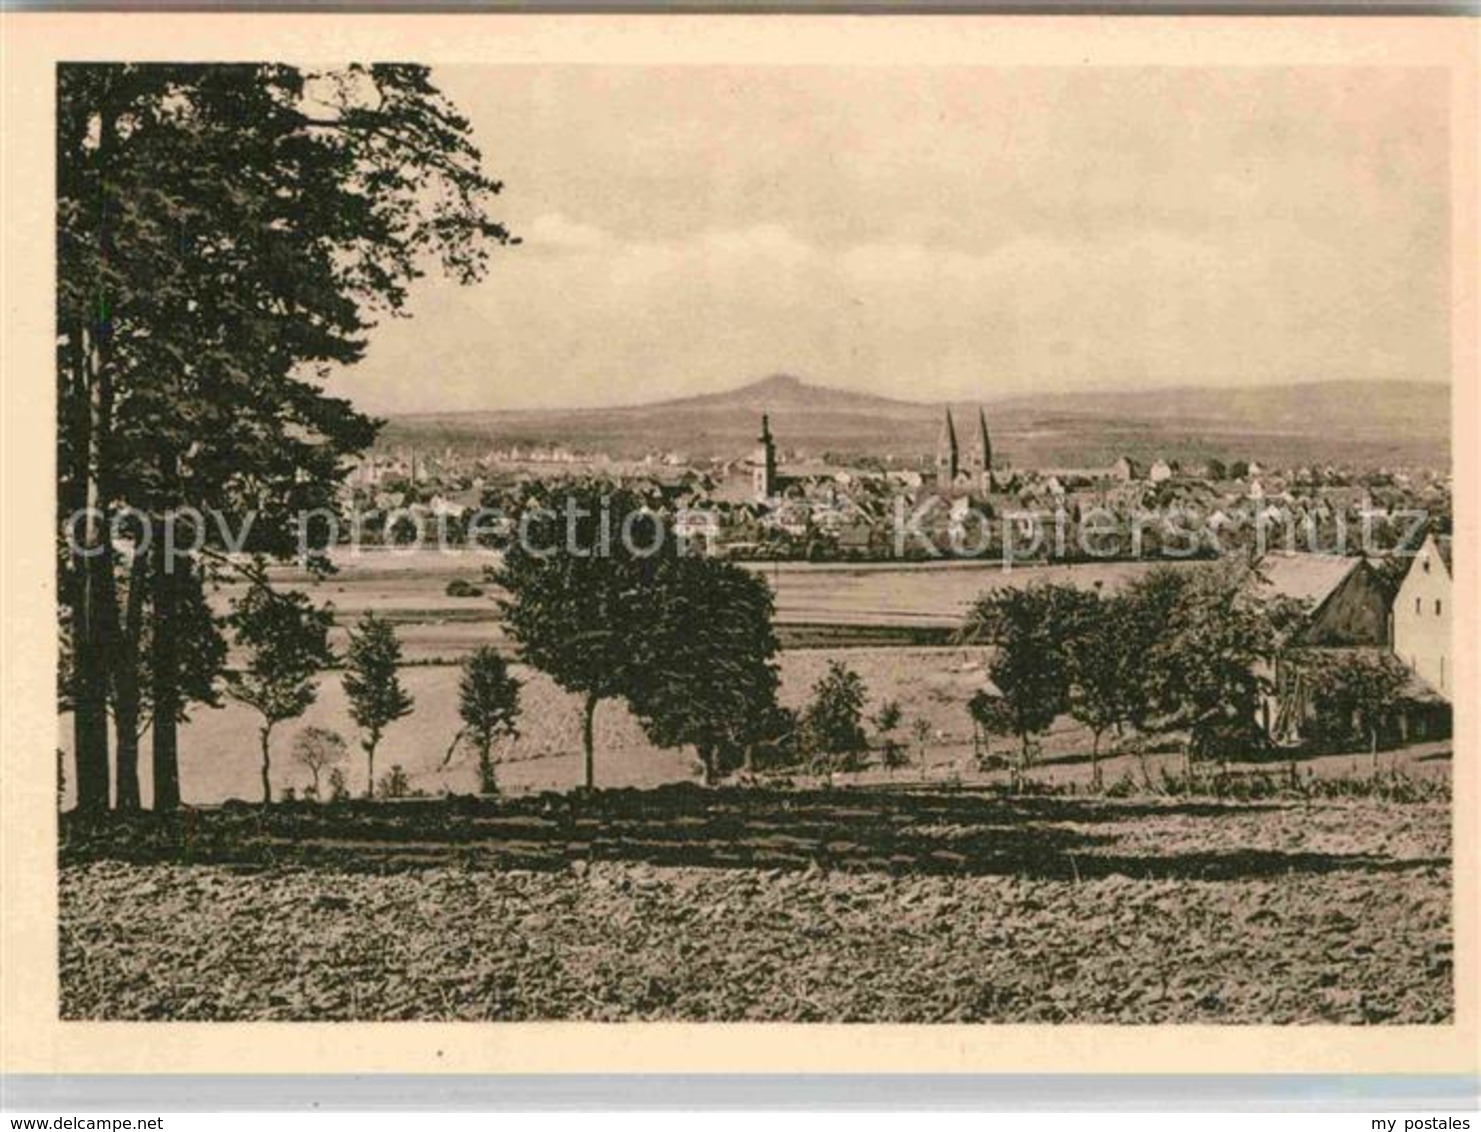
(947, 543)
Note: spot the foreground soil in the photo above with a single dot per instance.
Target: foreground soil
(1352, 927)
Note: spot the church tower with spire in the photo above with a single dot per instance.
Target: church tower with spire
(765, 470)
(984, 451)
(947, 455)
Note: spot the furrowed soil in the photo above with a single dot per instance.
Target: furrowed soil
(852, 906)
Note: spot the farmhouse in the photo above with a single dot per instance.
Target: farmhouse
(1420, 628)
(1350, 614)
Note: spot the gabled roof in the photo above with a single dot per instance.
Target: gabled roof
(1446, 546)
(1309, 577)
(1442, 545)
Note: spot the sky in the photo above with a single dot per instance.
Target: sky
(935, 233)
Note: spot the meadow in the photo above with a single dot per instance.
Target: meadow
(219, 756)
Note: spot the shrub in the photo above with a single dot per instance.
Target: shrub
(894, 755)
(394, 783)
(461, 587)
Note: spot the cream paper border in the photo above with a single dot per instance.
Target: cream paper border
(32, 1039)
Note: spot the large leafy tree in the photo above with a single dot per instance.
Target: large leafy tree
(225, 232)
(706, 673)
(576, 575)
(1203, 670)
(373, 685)
(1031, 628)
(1356, 691)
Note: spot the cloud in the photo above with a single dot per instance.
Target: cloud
(552, 231)
(583, 316)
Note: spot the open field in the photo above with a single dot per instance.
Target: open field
(816, 603)
(836, 906)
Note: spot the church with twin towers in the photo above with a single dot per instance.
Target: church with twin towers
(956, 474)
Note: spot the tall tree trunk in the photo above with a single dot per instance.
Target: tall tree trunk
(1095, 761)
(588, 740)
(165, 670)
(370, 768)
(95, 411)
(487, 784)
(265, 737)
(126, 689)
(89, 674)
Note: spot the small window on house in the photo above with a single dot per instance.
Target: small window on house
(1417, 608)
(1437, 607)
(1426, 565)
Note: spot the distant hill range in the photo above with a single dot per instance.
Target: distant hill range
(1368, 423)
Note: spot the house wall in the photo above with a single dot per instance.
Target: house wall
(1421, 619)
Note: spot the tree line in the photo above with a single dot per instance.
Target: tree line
(1190, 651)
(224, 234)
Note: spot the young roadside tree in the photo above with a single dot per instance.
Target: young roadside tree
(1030, 627)
(921, 730)
(373, 686)
(887, 718)
(318, 749)
(1101, 671)
(992, 715)
(488, 704)
(575, 574)
(832, 723)
(286, 640)
(225, 232)
(704, 671)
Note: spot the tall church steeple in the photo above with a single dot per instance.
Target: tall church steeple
(765, 470)
(984, 441)
(947, 454)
